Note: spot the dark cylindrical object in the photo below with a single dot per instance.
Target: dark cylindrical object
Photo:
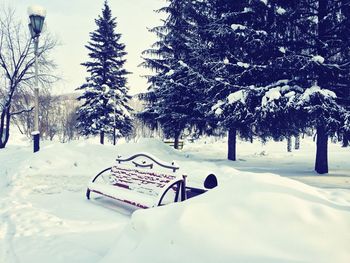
(36, 140)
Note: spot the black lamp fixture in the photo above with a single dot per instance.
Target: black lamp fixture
(36, 17)
(31, 30)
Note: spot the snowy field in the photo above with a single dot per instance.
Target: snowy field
(257, 214)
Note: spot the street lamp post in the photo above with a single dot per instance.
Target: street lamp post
(36, 16)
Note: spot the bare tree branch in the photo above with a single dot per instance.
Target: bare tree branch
(21, 111)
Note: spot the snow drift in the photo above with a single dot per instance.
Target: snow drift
(250, 218)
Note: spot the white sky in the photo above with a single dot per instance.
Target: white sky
(72, 21)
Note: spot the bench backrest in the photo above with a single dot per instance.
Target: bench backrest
(140, 180)
(145, 174)
(145, 181)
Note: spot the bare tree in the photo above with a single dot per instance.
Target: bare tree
(16, 66)
(49, 117)
(23, 99)
(67, 117)
(57, 118)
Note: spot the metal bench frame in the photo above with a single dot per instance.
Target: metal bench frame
(148, 163)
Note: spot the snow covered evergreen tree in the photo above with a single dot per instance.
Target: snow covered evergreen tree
(172, 97)
(238, 35)
(105, 107)
(315, 43)
(303, 80)
(269, 68)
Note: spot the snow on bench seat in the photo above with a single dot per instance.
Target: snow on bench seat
(124, 195)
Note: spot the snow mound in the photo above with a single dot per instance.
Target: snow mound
(282, 50)
(237, 96)
(61, 167)
(238, 27)
(318, 59)
(271, 95)
(281, 10)
(243, 65)
(249, 219)
(218, 111)
(316, 89)
(36, 10)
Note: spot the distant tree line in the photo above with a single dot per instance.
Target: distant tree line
(58, 118)
(270, 69)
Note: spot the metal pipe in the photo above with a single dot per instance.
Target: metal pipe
(183, 190)
(36, 133)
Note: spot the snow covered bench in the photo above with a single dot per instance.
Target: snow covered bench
(141, 181)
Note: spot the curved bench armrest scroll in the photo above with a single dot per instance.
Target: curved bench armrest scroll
(164, 165)
(109, 168)
(181, 190)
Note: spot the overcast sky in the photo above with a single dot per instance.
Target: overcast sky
(72, 20)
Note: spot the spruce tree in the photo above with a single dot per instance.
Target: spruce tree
(316, 45)
(296, 70)
(105, 96)
(238, 43)
(172, 96)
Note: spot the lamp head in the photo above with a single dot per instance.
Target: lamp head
(31, 30)
(37, 16)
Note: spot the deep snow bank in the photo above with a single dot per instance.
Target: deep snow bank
(248, 219)
(58, 167)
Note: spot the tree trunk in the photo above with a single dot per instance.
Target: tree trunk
(289, 144)
(114, 137)
(232, 133)
(102, 137)
(321, 164)
(176, 140)
(345, 140)
(297, 142)
(4, 127)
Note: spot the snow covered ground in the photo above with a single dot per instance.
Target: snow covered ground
(254, 215)
(274, 158)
